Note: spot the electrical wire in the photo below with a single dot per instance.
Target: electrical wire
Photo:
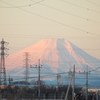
(55, 75)
(54, 20)
(46, 36)
(31, 4)
(94, 69)
(93, 3)
(80, 6)
(69, 13)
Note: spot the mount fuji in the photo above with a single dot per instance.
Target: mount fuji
(56, 56)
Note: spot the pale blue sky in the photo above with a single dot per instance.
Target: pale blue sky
(25, 22)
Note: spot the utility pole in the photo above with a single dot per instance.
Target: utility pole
(10, 80)
(39, 66)
(2, 62)
(39, 79)
(57, 81)
(58, 76)
(73, 82)
(71, 78)
(86, 81)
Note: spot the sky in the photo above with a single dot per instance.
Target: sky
(23, 23)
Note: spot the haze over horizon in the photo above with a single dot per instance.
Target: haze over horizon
(24, 23)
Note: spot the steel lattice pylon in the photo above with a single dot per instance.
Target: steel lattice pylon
(2, 62)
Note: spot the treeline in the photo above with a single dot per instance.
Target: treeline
(26, 92)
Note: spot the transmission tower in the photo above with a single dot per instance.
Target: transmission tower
(26, 66)
(2, 62)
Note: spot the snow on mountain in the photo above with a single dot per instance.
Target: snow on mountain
(56, 56)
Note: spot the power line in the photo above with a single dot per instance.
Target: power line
(47, 69)
(43, 76)
(93, 3)
(70, 13)
(94, 69)
(54, 20)
(28, 5)
(80, 6)
(50, 36)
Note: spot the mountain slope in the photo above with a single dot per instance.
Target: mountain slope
(56, 56)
